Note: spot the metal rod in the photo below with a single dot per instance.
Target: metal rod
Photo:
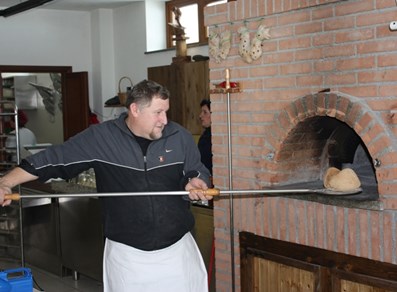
(231, 208)
(18, 157)
(92, 195)
(209, 192)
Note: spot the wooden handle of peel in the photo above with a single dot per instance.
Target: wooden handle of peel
(210, 192)
(13, 197)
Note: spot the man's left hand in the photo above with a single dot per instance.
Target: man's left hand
(197, 188)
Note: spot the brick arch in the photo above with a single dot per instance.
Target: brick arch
(300, 113)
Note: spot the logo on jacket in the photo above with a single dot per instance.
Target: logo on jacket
(168, 150)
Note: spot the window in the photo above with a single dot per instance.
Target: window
(192, 19)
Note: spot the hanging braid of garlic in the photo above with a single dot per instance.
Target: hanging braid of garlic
(245, 44)
(225, 44)
(256, 44)
(214, 45)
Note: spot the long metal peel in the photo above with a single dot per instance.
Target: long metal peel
(210, 192)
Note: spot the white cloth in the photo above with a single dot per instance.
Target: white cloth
(26, 137)
(177, 268)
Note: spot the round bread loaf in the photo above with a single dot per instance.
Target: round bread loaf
(341, 180)
(328, 174)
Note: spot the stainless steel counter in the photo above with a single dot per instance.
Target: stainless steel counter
(41, 233)
(80, 230)
(81, 236)
(63, 235)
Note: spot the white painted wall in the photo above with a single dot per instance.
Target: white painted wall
(107, 43)
(103, 64)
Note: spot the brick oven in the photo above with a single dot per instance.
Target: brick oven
(323, 93)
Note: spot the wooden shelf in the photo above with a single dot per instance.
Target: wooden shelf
(224, 90)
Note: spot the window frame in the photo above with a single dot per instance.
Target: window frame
(203, 37)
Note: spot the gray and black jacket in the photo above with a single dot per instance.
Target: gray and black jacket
(144, 222)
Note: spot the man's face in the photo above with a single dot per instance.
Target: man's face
(205, 116)
(149, 121)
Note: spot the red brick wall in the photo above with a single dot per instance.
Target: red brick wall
(342, 45)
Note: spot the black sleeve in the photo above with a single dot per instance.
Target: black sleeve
(188, 176)
(26, 166)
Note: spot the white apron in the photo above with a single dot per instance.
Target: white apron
(177, 268)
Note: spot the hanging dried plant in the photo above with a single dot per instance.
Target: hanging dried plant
(219, 45)
(252, 50)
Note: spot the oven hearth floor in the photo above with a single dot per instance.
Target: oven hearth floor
(367, 199)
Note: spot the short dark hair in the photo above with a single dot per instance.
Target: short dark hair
(206, 102)
(144, 92)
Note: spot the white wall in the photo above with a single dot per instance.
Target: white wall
(107, 43)
(47, 37)
(103, 61)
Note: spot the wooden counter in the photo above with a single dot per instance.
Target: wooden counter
(203, 233)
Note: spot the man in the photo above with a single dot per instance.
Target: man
(205, 143)
(148, 242)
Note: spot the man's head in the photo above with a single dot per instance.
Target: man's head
(205, 114)
(147, 103)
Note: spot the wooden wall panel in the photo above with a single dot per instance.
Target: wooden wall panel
(358, 287)
(273, 276)
(188, 84)
(269, 265)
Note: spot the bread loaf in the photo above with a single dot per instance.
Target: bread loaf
(341, 180)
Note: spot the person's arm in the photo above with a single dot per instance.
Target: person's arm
(197, 176)
(15, 177)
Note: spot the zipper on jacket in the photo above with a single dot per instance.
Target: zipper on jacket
(155, 240)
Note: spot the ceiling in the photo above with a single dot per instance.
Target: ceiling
(79, 5)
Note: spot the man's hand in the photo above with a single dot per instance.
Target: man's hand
(196, 186)
(15, 177)
(4, 191)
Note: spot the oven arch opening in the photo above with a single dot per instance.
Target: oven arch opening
(321, 130)
(318, 143)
